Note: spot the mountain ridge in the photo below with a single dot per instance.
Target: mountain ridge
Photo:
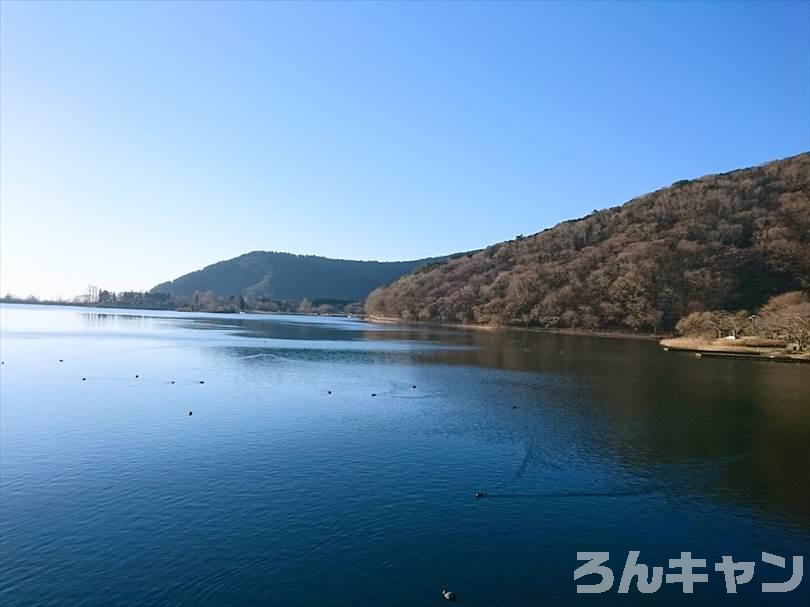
(727, 240)
(288, 276)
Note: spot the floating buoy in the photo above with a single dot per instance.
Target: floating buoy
(373, 394)
(202, 382)
(514, 406)
(172, 381)
(137, 376)
(414, 387)
(448, 595)
(61, 361)
(329, 392)
(84, 379)
(189, 413)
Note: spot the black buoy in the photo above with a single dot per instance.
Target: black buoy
(329, 392)
(190, 413)
(373, 394)
(202, 382)
(414, 387)
(137, 376)
(514, 406)
(172, 381)
(84, 379)
(61, 361)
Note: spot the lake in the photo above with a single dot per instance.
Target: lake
(277, 492)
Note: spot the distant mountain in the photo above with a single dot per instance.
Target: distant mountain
(284, 276)
(726, 241)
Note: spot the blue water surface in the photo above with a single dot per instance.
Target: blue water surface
(334, 462)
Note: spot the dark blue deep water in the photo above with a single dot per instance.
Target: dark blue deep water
(275, 492)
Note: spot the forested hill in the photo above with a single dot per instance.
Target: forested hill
(725, 241)
(284, 276)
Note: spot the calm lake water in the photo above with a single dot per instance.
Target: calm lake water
(275, 492)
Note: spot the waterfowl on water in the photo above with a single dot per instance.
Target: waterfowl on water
(448, 595)
(329, 392)
(84, 379)
(61, 361)
(373, 394)
(480, 494)
(202, 382)
(172, 381)
(190, 413)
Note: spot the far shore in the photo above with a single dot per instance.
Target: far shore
(114, 306)
(746, 347)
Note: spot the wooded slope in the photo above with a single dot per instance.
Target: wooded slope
(727, 241)
(284, 276)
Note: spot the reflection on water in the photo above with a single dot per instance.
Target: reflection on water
(670, 408)
(343, 457)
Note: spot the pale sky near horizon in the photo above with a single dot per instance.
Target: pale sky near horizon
(141, 141)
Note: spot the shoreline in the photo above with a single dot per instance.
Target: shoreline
(105, 306)
(712, 349)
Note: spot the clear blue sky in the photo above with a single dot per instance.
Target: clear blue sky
(141, 141)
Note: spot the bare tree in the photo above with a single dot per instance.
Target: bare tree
(736, 322)
(791, 321)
